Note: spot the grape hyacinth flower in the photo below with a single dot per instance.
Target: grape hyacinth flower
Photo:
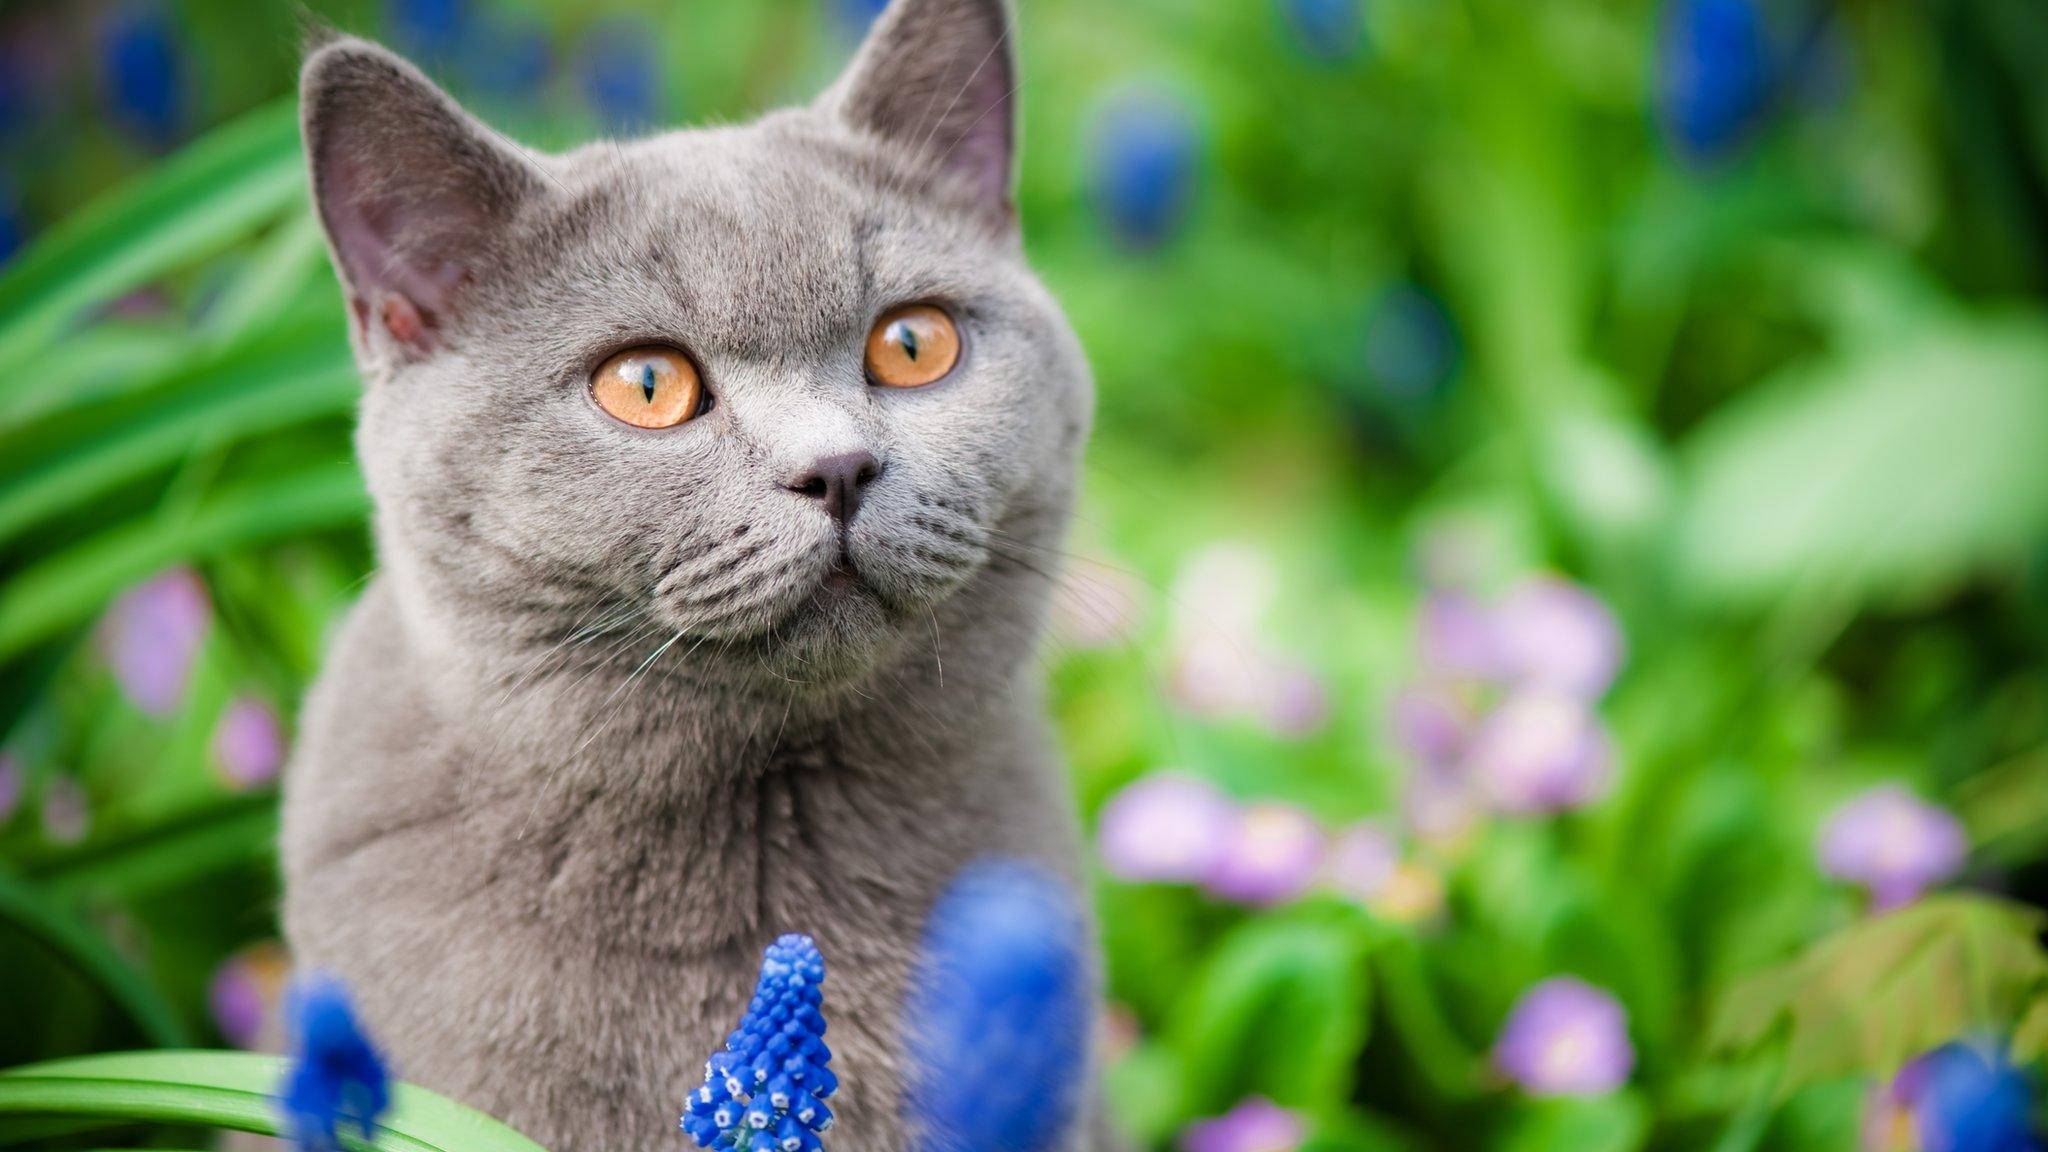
(1142, 164)
(1272, 856)
(248, 743)
(998, 1023)
(1430, 725)
(336, 1076)
(1715, 75)
(142, 72)
(1256, 1124)
(1558, 637)
(1166, 827)
(1961, 1097)
(766, 1089)
(430, 30)
(1893, 843)
(620, 76)
(152, 635)
(1565, 1037)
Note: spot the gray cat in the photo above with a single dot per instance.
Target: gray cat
(716, 476)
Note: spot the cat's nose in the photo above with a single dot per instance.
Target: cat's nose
(837, 481)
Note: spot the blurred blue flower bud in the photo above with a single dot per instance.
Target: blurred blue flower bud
(1411, 348)
(1325, 29)
(1961, 1097)
(336, 1076)
(507, 55)
(142, 74)
(619, 75)
(430, 30)
(998, 1019)
(854, 16)
(1715, 75)
(1142, 165)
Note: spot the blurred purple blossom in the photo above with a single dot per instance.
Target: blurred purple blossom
(1430, 725)
(248, 743)
(1438, 804)
(1294, 702)
(1565, 1037)
(1961, 1097)
(1223, 664)
(1360, 861)
(151, 636)
(1256, 1124)
(1539, 753)
(1555, 635)
(12, 781)
(245, 991)
(1457, 638)
(1143, 157)
(1165, 827)
(1893, 843)
(66, 815)
(1098, 605)
(1271, 856)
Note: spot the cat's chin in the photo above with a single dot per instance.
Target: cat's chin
(833, 637)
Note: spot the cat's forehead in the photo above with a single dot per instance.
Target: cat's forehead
(777, 223)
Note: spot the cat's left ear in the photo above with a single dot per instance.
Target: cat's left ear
(939, 77)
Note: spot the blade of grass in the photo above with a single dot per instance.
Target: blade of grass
(221, 188)
(91, 956)
(136, 861)
(233, 1090)
(65, 590)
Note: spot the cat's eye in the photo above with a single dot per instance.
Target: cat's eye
(913, 345)
(650, 387)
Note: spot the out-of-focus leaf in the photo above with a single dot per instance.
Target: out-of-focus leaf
(2030, 1039)
(1150, 1101)
(139, 860)
(2005, 807)
(1886, 989)
(116, 360)
(233, 1090)
(268, 283)
(1617, 1122)
(268, 389)
(88, 953)
(1898, 466)
(1281, 1009)
(219, 189)
(63, 591)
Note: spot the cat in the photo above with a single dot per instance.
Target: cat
(716, 481)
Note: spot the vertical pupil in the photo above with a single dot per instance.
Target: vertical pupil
(907, 337)
(647, 382)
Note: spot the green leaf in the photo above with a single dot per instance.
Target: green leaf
(1281, 1009)
(90, 955)
(1618, 1122)
(1901, 466)
(216, 191)
(65, 590)
(136, 861)
(233, 1090)
(1886, 989)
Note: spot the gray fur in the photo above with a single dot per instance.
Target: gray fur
(598, 730)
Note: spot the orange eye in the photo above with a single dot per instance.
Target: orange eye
(651, 387)
(912, 345)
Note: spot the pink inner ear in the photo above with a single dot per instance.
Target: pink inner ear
(402, 319)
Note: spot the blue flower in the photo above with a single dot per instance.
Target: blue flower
(142, 73)
(429, 29)
(619, 74)
(1715, 74)
(336, 1076)
(1325, 29)
(1411, 347)
(997, 1024)
(1142, 166)
(854, 16)
(766, 1089)
(1962, 1096)
(507, 55)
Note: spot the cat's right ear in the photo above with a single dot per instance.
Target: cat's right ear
(412, 191)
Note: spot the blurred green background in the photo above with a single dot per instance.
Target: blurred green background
(1562, 579)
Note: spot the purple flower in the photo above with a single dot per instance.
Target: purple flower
(248, 743)
(1430, 726)
(1892, 843)
(151, 636)
(11, 784)
(1557, 636)
(1142, 165)
(1166, 827)
(1256, 1124)
(1456, 638)
(1961, 1097)
(1271, 856)
(1565, 1038)
(1361, 860)
(244, 991)
(1294, 703)
(66, 815)
(1540, 753)
(1438, 805)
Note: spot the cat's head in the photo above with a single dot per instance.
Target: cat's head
(785, 387)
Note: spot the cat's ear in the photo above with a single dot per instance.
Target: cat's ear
(940, 77)
(411, 189)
